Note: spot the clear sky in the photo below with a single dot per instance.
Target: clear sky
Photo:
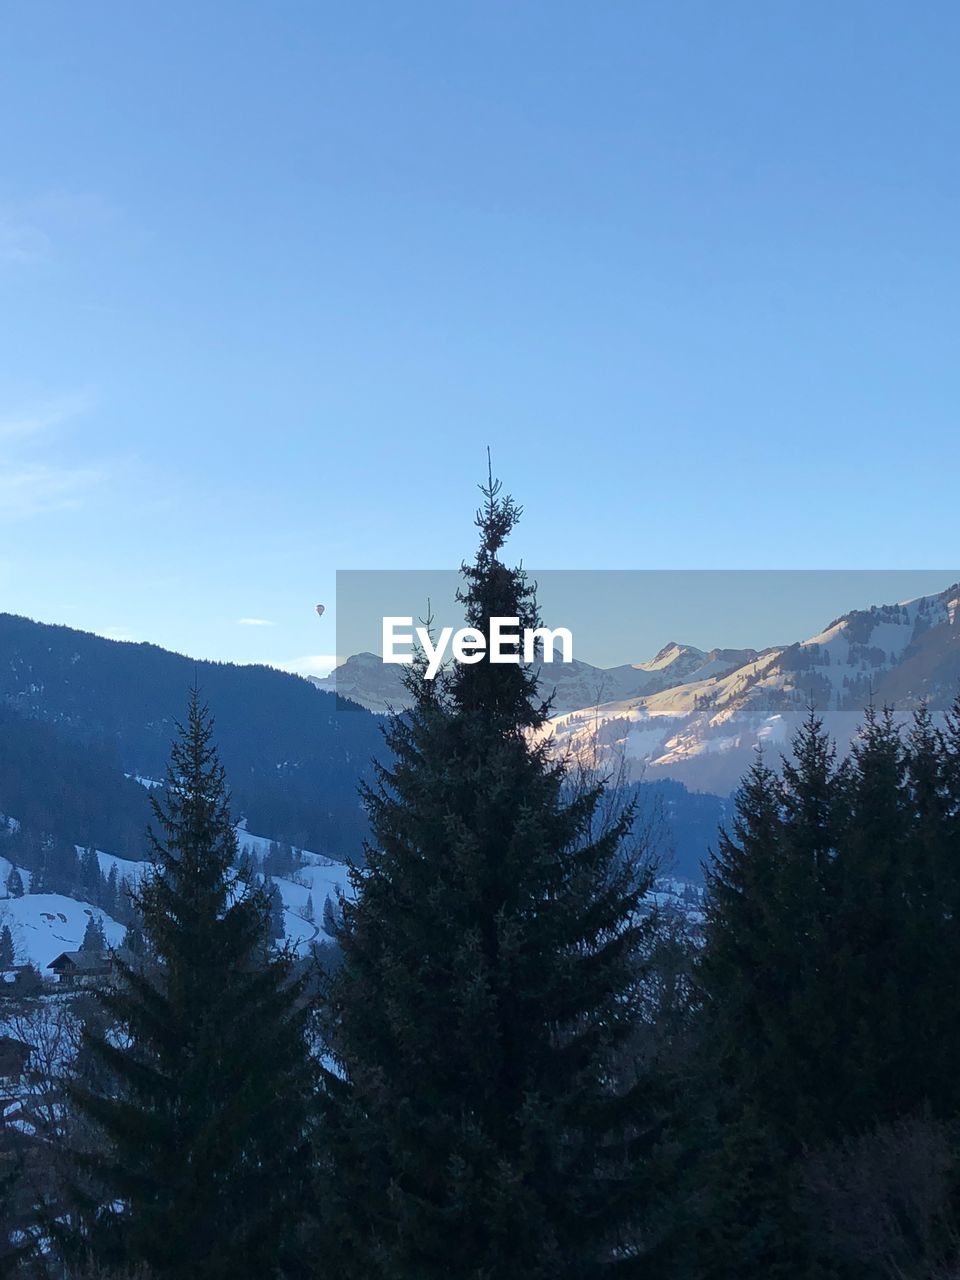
(272, 276)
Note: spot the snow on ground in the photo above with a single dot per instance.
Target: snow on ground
(126, 869)
(6, 867)
(300, 933)
(44, 924)
(325, 878)
(321, 877)
(256, 846)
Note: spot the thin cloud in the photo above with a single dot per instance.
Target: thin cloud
(255, 622)
(28, 490)
(49, 413)
(28, 487)
(31, 230)
(20, 243)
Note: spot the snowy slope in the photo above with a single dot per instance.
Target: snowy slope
(44, 924)
(703, 731)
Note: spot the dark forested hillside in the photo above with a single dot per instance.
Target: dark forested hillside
(688, 823)
(294, 757)
(58, 787)
(77, 712)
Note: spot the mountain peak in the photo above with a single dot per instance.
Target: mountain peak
(670, 653)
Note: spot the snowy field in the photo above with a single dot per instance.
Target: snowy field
(45, 924)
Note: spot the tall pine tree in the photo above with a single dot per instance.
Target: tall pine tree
(94, 938)
(202, 1127)
(768, 1008)
(827, 978)
(479, 1120)
(876, 936)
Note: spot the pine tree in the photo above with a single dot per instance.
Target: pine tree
(90, 880)
(734, 974)
(931, 894)
(94, 938)
(491, 976)
(279, 859)
(872, 929)
(765, 976)
(741, 1180)
(806, 1026)
(828, 972)
(278, 928)
(7, 949)
(246, 871)
(15, 883)
(948, 864)
(767, 966)
(16, 1244)
(201, 1159)
(111, 892)
(58, 869)
(133, 941)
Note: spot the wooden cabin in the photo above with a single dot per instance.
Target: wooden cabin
(81, 967)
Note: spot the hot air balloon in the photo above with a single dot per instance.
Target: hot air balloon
(320, 609)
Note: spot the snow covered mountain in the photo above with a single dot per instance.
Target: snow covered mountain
(365, 679)
(702, 730)
(45, 924)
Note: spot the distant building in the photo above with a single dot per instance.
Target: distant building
(81, 967)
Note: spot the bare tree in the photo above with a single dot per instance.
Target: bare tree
(882, 1200)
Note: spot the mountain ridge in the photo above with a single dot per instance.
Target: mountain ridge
(366, 679)
(703, 732)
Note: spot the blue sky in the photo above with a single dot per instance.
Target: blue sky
(274, 275)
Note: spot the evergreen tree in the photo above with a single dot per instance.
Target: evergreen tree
(767, 1081)
(278, 929)
(874, 935)
(7, 950)
(806, 1027)
(111, 891)
(934, 770)
(279, 859)
(90, 879)
(246, 870)
(741, 1180)
(308, 912)
(767, 966)
(199, 1168)
(744, 1189)
(15, 883)
(827, 978)
(491, 976)
(740, 932)
(16, 1245)
(94, 939)
(133, 941)
(329, 917)
(58, 868)
(947, 875)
